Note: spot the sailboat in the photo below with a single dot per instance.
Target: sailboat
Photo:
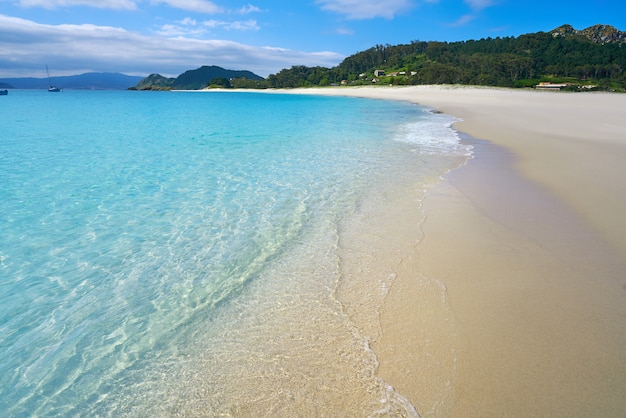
(52, 89)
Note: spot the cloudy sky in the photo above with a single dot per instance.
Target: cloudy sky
(140, 37)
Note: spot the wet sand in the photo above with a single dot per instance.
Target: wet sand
(514, 302)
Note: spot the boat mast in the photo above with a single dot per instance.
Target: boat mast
(48, 72)
(51, 88)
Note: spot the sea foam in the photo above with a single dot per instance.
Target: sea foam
(434, 134)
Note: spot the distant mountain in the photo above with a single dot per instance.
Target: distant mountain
(155, 82)
(87, 81)
(599, 34)
(193, 79)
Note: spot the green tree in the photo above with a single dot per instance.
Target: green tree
(220, 82)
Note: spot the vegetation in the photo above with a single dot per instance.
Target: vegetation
(195, 79)
(246, 83)
(594, 58)
(301, 76)
(154, 82)
(220, 82)
(589, 59)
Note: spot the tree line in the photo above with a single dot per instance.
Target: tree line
(520, 61)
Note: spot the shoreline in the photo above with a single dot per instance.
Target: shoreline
(543, 128)
(514, 302)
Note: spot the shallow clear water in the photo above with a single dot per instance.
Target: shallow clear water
(179, 253)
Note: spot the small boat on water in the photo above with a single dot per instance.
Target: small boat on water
(4, 92)
(52, 89)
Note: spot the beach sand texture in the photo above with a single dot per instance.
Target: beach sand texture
(513, 303)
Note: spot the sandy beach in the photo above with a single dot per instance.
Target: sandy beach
(514, 302)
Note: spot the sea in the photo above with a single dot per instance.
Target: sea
(188, 253)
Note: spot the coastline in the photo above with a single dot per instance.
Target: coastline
(551, 132)
(514, 302)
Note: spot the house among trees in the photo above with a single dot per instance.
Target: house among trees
(551, 86)
(575, 61)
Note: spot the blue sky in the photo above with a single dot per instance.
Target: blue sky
(168, 37)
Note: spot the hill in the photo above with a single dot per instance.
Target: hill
(592, 58)
(194, 79)
(155, 82)
(87, 81)
(599, 34)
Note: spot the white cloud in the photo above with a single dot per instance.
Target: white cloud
(463, 20)
(344, 31)
(199, 6)
(100, 4)
(366, 9)
(237, 25)
(185, 27)
(26, 46)
(249, 9)
(188, 21)
(476, 6)
(178, 30)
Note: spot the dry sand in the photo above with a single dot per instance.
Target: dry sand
(514, 303)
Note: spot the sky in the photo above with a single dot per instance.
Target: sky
(168, 37)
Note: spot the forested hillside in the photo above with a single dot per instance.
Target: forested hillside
(200, 78)
(594, 58)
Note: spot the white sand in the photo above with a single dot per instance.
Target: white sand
(514, 303)
(569, 142)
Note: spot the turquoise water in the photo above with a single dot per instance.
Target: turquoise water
(179, 253)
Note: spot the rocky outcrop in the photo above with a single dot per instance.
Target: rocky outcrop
(600, 34)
